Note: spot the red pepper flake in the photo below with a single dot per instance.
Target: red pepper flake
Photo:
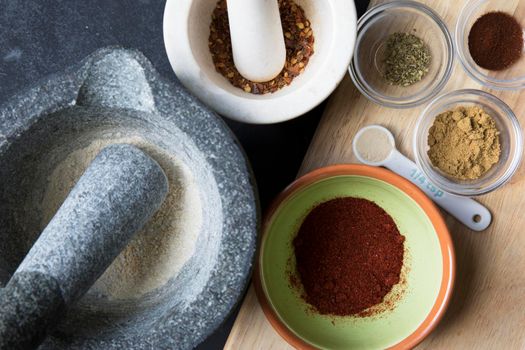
(298, 39)
(349, 254)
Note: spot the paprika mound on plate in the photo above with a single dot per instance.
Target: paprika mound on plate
(349, 254)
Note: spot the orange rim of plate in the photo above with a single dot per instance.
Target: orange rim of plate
(432, 212)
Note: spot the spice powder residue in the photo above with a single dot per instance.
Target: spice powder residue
(464, 143)
(298, 39)
(158, 252)
(374, 145)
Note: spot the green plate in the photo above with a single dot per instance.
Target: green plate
(423, 269)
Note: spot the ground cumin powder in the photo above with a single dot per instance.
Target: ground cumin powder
(464, 142)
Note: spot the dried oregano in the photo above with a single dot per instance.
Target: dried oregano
(407, 59)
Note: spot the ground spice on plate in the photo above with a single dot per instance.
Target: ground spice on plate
(464, 143)
(406, 59)
(495, 41)
(298, 39)
(349, 254)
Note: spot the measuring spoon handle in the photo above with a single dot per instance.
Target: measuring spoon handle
(469, 212)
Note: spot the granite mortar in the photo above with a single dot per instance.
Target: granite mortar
(117, 91)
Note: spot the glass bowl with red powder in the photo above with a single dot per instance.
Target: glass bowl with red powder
(329, 243)
(369, 67)
(489, 42)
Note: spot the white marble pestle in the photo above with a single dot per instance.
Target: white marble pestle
(257, 38)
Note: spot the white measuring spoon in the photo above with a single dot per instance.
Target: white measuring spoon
(469, 212)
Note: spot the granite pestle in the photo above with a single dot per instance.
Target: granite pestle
(118, 193)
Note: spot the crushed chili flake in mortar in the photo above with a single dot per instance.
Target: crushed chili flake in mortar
(349, 254)
(298, 39)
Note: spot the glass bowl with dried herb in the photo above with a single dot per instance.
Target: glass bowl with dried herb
(468, 142)
(403, 55)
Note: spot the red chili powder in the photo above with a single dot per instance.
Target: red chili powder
(349, 255)
(495, 41)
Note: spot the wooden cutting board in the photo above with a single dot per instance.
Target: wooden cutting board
(487, 310)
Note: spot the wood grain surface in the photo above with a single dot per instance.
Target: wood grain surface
(487, 310)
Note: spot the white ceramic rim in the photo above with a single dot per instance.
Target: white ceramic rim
(469, 190)
(267, 111)
(470, 67)
(394, 102)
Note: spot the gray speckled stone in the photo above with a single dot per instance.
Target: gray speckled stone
(114, 198)
(31, 304)
(117, 194)
(40, 126)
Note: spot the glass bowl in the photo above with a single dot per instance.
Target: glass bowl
(512, 78)
(366, 68)
(511, 141)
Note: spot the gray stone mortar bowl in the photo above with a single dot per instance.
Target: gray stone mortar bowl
(117, 91)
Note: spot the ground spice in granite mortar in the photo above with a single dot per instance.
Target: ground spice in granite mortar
(464, 143)
(298, 39)
(495, 41)
(349, 254)
(158, 251)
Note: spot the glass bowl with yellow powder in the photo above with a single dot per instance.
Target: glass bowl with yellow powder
(468, 142)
